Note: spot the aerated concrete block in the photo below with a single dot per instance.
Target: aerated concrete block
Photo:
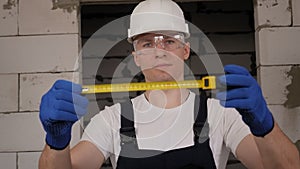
(24, 132)
(28, 160)
(21, 132)
(34, 86)
(47, 17)
(274, 81)
(9, 92)
(296, 12)
(8, 18)
(52, 53)
(8, 160)
(278, 46)
(272, 13)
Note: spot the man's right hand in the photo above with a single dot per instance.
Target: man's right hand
(60, 108)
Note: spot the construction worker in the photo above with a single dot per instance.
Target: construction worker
(166, 128)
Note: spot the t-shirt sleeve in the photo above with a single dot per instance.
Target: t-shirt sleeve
(99, 132)
(235, 129)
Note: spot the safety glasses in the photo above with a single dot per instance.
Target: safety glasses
(167, 42)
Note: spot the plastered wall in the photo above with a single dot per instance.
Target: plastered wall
(40, 42)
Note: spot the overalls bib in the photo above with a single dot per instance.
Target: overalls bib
(198, 156)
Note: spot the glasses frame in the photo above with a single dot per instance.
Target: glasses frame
(162, 39)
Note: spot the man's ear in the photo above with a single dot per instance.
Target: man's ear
(187, 50)
(136, 58)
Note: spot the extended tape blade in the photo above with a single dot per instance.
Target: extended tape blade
(206, 83)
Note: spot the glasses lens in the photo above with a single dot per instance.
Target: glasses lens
(165, 42)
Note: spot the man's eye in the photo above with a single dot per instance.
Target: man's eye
(146, 45)
(169, 42)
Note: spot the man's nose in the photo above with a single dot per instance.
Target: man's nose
(160, 52)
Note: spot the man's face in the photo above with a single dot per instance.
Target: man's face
(161, 57)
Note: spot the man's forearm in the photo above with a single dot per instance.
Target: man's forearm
(277, 151)
(52, 159)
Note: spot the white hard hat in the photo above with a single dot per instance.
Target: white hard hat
(157, 16)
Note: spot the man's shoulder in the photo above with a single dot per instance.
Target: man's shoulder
(110, 114)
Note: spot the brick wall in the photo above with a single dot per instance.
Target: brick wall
(278, 60)
(38, 45)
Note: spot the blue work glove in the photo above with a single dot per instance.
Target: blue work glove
(245, 95)
(60, 108)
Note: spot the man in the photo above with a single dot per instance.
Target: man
(166, 128)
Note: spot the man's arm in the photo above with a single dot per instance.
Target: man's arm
(273, 151)
(86, 155)
(51, 158)
(244, 94)
(277, 151)
(83, 155)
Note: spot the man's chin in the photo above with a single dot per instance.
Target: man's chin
(162, 78)
(156, 75)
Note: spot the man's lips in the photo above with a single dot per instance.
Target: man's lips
(162, 65)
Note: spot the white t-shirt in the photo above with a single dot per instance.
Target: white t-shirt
(167, 129)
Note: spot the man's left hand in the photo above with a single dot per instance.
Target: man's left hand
(245, 95)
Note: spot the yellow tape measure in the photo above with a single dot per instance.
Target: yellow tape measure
(206, 83)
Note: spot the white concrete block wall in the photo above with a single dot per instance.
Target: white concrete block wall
(274, 80)
(278, 58)
(272, 13)
(28, 160)
(21, 132)
(8, 160)
(33, 86)
(277, 46)
(39, 43)
(9, 18)
(9, 92)
(296, 12)
(39, 17)
(45, 53)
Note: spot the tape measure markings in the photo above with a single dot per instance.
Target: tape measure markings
(206, 83)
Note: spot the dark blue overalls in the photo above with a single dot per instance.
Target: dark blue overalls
(198, 156)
